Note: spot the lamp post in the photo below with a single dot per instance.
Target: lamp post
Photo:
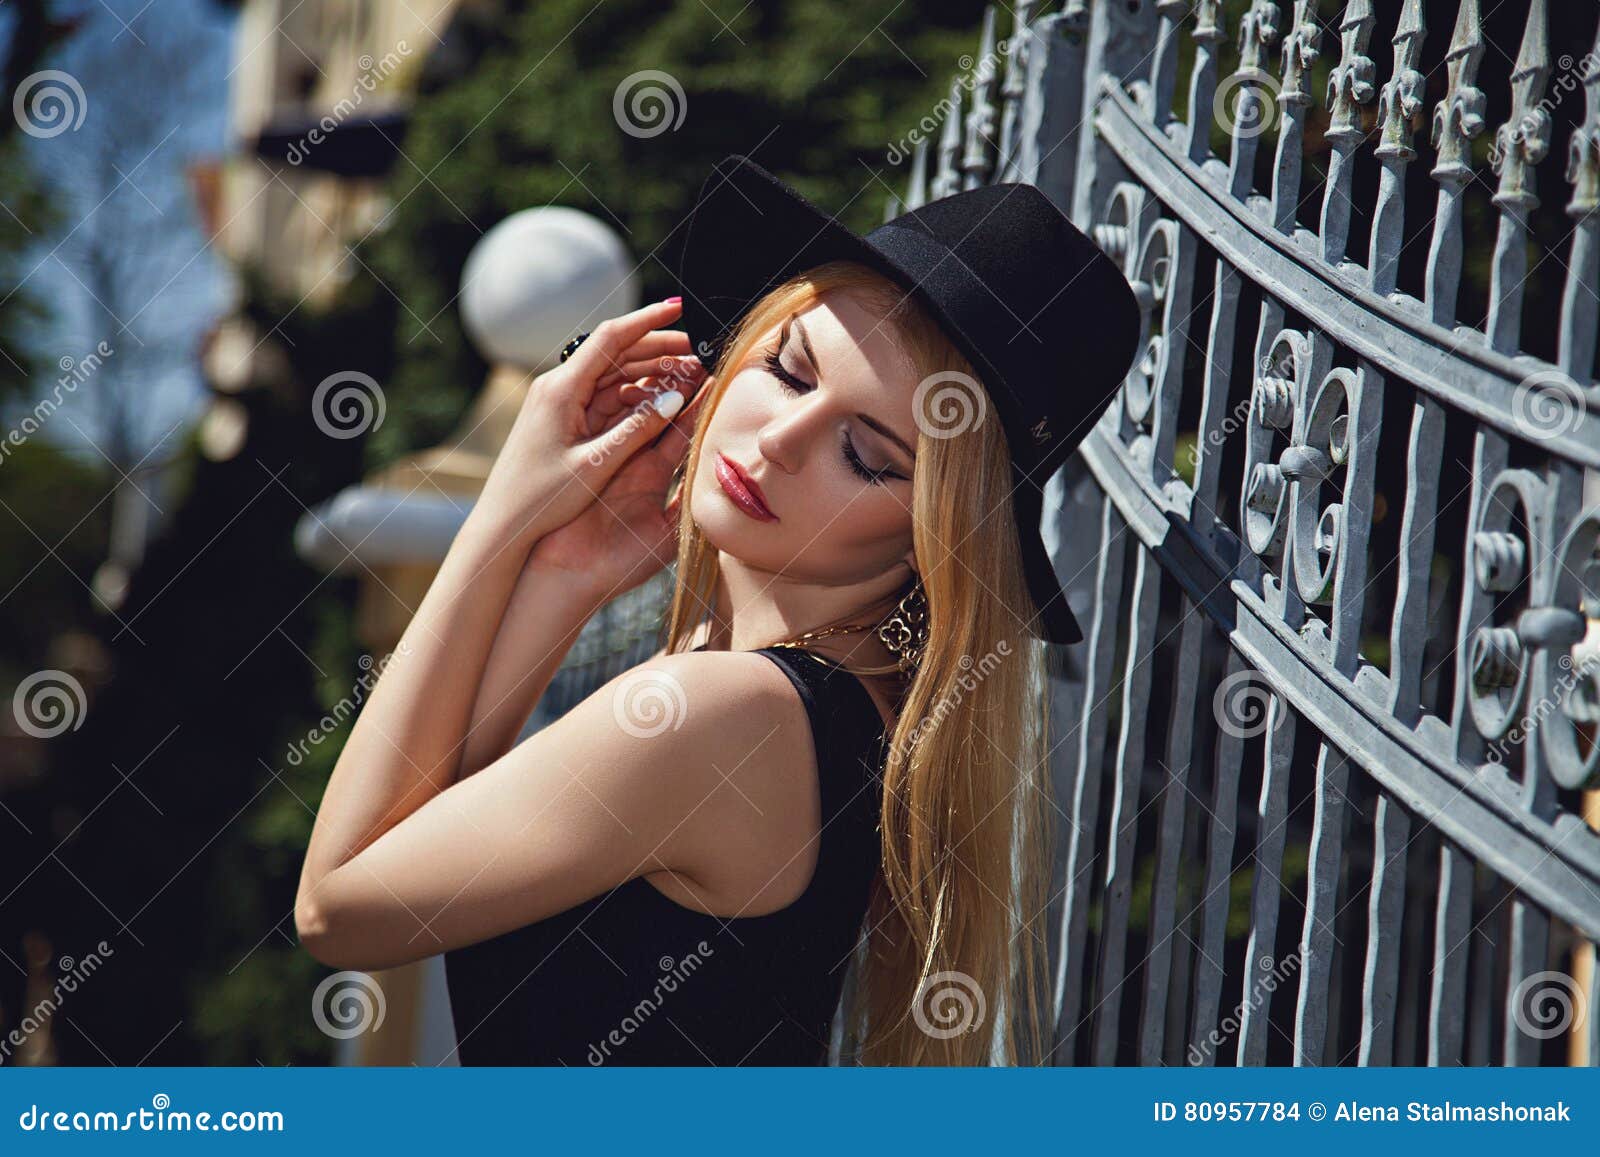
(530, 284)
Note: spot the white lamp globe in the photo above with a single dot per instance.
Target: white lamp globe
(538, 279)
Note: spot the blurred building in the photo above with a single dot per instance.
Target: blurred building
(320, 92)
(320, 101)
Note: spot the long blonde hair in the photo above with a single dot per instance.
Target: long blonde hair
(954, 964)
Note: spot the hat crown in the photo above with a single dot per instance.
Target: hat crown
(1047, 320)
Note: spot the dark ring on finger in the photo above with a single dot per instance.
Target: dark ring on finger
(572, 346)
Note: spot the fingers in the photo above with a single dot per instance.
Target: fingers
(677, 366)
(636, 428)
(661, 343)
(643, 381)
(608, 345)
(603, 408)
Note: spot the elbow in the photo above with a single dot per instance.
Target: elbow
(322, 931)
(315, 930)
(337, 932)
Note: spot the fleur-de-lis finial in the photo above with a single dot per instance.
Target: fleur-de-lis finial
(1459, 116)
(1401, 95)
(1524, 140)
(1351, 82)
(1258, 31)
(1300, 52)
(1583, 150)
(1015, 48)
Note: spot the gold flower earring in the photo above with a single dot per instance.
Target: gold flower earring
(905, 631)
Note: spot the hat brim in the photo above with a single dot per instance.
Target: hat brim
(1057, 623)
(749, 233)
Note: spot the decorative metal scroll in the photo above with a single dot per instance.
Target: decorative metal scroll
(1331, 788)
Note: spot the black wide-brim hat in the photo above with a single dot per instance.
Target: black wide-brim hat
(1044, 316)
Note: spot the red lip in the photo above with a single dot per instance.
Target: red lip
(740, 487)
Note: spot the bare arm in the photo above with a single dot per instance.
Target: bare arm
(690, 764)
(406, 745)
(614, 546)
(408, 739)
(522, 664)
(527, 651)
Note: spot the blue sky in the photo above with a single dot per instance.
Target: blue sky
(154, 81)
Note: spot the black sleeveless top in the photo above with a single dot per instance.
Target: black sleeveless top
(632, 977)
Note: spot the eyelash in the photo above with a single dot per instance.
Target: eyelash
(853, 459)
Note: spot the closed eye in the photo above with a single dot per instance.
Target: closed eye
(851, 456)
(776, 367)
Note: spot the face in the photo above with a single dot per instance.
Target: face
(807, 462)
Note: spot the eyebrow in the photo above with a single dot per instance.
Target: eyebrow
(867, 419)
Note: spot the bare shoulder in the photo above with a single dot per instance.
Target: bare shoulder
(697, 635)
(721, 742)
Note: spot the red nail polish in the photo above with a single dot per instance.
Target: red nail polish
(670, 300)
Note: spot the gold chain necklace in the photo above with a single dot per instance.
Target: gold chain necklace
(826, 632)
(903, 632)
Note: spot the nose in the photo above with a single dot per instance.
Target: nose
(786, 438)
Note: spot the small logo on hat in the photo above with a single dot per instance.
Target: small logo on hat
(1040, 434)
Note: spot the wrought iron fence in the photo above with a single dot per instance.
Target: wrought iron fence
(1327, 763)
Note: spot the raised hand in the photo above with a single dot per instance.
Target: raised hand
(628, 532)
(575, 431)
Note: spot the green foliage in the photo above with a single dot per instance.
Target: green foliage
(817, 91)
(813, 92)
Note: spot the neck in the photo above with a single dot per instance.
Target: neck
(765, 608)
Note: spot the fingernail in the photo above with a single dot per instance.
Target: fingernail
(668, 403)
(670, 300)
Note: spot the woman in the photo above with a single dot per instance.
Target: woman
(842, 739)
